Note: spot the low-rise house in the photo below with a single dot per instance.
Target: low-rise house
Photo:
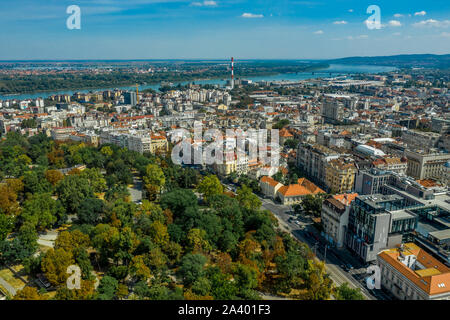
(269, 186)
(294, 193)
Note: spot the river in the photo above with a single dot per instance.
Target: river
(333, 69)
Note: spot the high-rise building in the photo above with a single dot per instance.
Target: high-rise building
(378, 222)
(333, 111)
(130, 98)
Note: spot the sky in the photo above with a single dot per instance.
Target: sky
(219, 29)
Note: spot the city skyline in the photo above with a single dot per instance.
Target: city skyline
(178, 29)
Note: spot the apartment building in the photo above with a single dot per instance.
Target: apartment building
(158, 143)
(147, 143)
(411, 273)
(340, 175)
(232, 163)
(419, 138)
(333, 111)
(61, 133)
(393, 164)
(334, 216)
(426, 165)
(141, 143)
(313, 160)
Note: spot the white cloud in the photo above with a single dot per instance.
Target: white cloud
(318, 32)
(350, 10)
(206, 3)
(398, 15)
(340, 22)
(210, 3)
(363, 36)
(397, 34)
(395, 23)
(370, 24)
(432, 23)
(420, 13)
(252, 15)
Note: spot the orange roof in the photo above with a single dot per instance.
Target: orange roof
(433, 279)
(346, 198)
(270, 181)
(285, 133)
(302, 188)
(428, 183)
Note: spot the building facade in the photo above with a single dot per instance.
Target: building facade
(411, 273)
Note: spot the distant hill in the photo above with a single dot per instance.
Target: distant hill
(401, 61)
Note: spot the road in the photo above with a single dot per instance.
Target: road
(7, 286)
(136, 190)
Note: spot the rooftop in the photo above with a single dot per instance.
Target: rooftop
(426, 272)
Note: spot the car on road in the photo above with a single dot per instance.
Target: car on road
(349, 266)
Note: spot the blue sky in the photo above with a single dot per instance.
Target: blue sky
(212, 29)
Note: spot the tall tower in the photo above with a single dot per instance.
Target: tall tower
(137, 93)
(232, 73)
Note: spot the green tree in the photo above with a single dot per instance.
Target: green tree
(21, 247)
(6, 225)
(196, 242)
(191, 268)
(246, 277)
(91, 211)
(28, 293)
(291, 143)
(72, 191)
(344, 292)
(210, 186)
(178, 201)
(95, 178)
(202, 286)
(107, 288)
(53, 176)
(42, 211)
(248, 199)
(159, 234)
(221, 286)
(312, 205)
(154, 180)
(55, 264)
